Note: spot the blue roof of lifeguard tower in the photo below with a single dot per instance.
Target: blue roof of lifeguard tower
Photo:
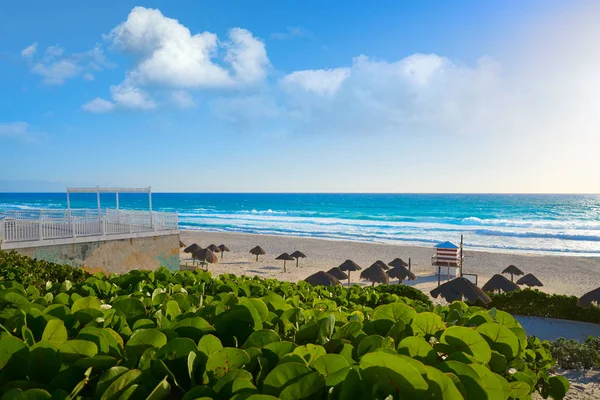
(446, 245)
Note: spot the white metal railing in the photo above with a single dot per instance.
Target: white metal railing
(27, 225)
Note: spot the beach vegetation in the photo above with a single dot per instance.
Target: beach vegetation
(186, 334)
(572, 354)
(531, 302)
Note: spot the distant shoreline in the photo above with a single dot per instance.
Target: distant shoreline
(570, 275)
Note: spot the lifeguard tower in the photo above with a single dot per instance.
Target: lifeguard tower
(448, 258)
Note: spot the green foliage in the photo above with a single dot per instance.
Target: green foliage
(189, 335)
(404, 291)
(539, 304)
(571, 354)
(35, 273)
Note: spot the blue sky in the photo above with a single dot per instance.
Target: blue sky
(301, 96)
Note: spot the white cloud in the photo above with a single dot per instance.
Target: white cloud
(29, 51)
(99, 106)
(182, 99)
(292, 32)
(247, 56)
(321, 81)
(57, 72)
(18, 131)
(168, 54)
(131, 97)
(55, 67)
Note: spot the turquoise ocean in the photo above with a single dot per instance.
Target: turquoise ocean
(538, 224)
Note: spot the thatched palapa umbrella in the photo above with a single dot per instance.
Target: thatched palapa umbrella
(458, 288)
(398, 262)
(223, 249)
(401, 273)
(381, 264)
(257, 251)
(181, 244)
(499, 283)
(298, 255)
(214, 248)
(529, 280)
(192, 248)
(375, 274)
(337, 273)
(322, 279)
(285, 257)
(205, 256)
(512, 270)
(349, 265)
(587, 299)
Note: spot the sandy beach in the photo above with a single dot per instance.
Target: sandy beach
(559, 274)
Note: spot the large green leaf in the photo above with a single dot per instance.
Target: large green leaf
(307, 387)
(130, 307)
(145, 338)
(14, 357)
(121, 383)
(209, 344)
(261, 338)
(193, 327)
(394, 312)
(426, 323)
(469, 378)
(222, 361)
(500, 338)
(73, 350)
(460, 340)
(392, 374)
(237, 324)
(55, 332)
(86, 302)
(441, 386)
(283, 375)
(329, 364)
(417, 348)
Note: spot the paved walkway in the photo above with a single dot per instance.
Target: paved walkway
(551, 329)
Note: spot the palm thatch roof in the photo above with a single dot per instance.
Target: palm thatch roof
(322, 279)
(381, 264)
(499, 283)
(223, 248)
(398, 262)
(192, 248)
(513, 270)
(375, 274)
(205, 255)
(285, 256)
(298, 254)
(257, 251)
(458, 288)
(349, 265)
(587, 299)
(181, 244)
(400, 272)
(337, 273)
(214, 248)
(529, 280)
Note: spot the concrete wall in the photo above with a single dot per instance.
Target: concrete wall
(109, 256)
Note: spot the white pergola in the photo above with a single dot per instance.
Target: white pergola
(116, 191)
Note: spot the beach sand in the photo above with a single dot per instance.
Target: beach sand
(560, 274)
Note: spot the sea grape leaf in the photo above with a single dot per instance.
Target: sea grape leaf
(222, 361)
(144, 338)
(500, 338)
(75, 349)
(261, 338)
(55, 332)
(460, 339)
(417, 348)
(392, 374)
(283, 375)
(426, 323)
(441, 386)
